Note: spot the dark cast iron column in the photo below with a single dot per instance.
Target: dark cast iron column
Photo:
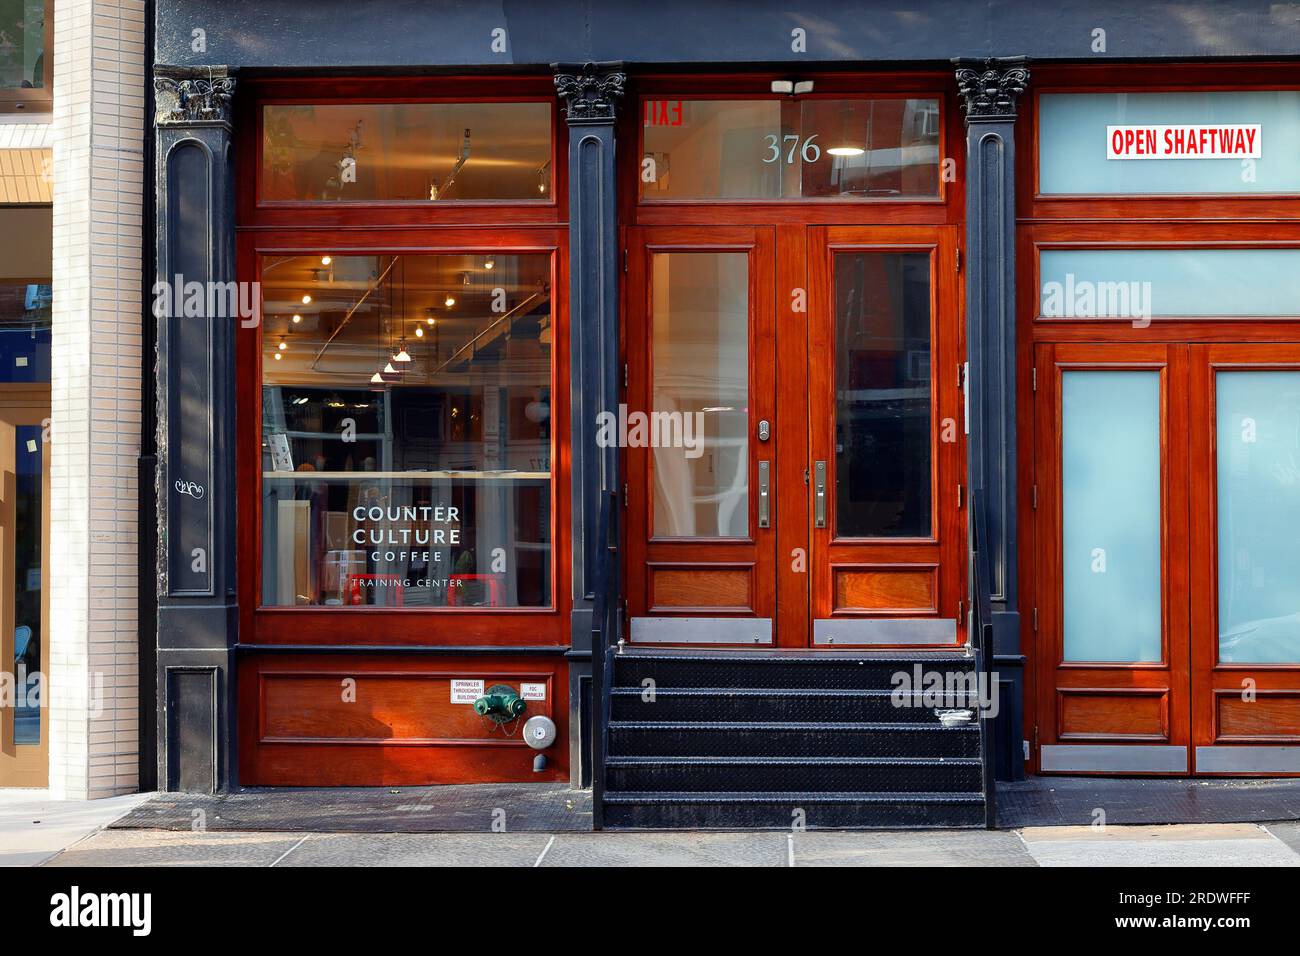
(590, 94)
(989, 92)
(197, 619)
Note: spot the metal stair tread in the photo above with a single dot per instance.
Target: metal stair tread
(761, 796)
(811, 725)
(792, 656)
(630, 690)
(642, 760)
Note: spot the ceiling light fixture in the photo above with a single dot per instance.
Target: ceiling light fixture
(306, 299)
(296, 318)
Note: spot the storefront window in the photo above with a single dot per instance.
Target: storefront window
(882, 395)
(1110, 514)
(789, 149)
(1258, 443)
(407, 430)
(1237, 142)
(416, 152)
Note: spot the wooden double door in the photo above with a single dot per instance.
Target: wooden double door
(1167, 529)
(793, 434)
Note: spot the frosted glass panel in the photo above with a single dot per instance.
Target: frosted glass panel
(1110, 476)
(1072, 143)
(1141, 283)
(1259, 516)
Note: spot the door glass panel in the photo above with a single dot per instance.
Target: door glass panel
(1259, 516)
(406, 431)
(1110, 510)
(882, 395)
(699, 421)
(28, 459)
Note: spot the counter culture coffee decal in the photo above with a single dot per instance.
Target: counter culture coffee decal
(1185, 142)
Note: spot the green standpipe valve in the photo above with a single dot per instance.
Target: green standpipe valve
(500, 703)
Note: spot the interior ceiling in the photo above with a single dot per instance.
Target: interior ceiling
(387, 297)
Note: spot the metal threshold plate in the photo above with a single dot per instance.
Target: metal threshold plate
(756, 631)
(897, 631)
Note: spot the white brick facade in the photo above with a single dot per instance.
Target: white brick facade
(99, 104)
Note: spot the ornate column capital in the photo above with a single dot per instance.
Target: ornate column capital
(193, 95)
(990, 88)
(590, 92)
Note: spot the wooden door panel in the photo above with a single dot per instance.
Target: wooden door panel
(1245, 715)
(912, 571)
(1090, 708)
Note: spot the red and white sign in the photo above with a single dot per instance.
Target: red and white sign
(1185, 142)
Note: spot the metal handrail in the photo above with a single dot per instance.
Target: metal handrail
(981, 638)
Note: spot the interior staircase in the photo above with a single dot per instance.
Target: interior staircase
(730, 739)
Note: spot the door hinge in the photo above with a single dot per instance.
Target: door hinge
(958, 250)
(1035, 497)
(625, 494)
(625, 376)
(959, 494)
(961, 376)
(1033, 378)
(625, 259)
(1035, 620)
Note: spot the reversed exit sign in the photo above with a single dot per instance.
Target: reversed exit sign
(663, 112)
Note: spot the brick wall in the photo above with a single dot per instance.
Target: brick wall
(99, 101)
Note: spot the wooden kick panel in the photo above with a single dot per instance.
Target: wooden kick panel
(1269, 715)
(720, 589)
(912, 589)
(1108, 714)
(389, 708)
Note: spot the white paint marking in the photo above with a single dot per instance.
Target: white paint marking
(291, 849)
(546, 849)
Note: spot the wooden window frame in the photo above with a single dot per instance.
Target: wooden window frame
(946, 208)
(382, 228)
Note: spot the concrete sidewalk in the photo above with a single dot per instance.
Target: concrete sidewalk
(34, 826)
(1220, 845)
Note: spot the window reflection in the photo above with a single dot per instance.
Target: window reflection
(406, 434)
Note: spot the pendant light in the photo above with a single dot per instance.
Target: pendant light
(845, 144)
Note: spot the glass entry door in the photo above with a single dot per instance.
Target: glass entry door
(793, 436)
(24, 604)
(887, 437)
(701, 434)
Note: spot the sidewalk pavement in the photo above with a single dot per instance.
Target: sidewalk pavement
(34, 826)
(76, 828)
